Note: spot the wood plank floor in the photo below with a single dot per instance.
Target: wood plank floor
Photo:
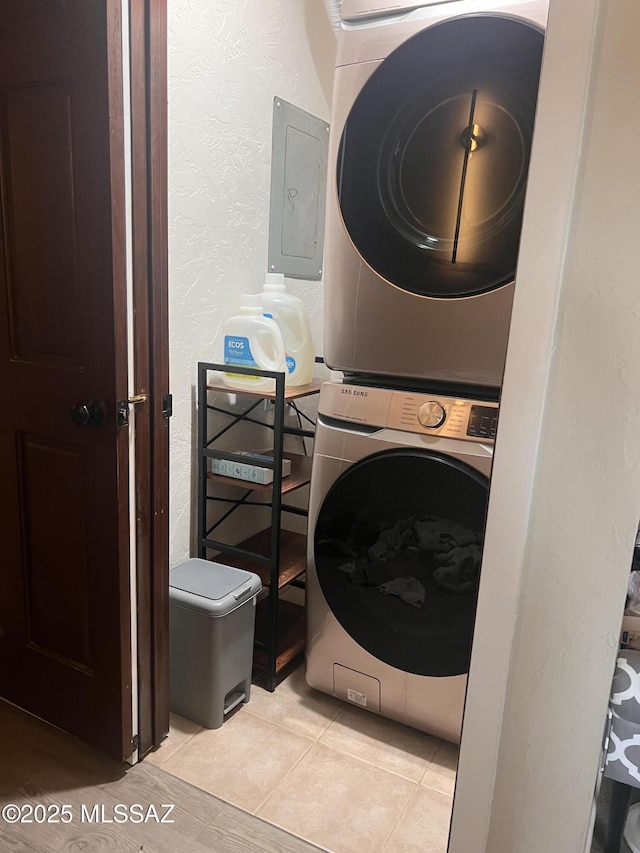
(40, 765)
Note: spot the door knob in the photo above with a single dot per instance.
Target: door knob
(92, 414)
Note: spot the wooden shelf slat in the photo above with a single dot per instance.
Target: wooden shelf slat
(290, 633)
(293, 554)
(290, 393)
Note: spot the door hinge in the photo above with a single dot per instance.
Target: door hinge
(605, 740)
(122, 408)
(167, 405)
(135, 741)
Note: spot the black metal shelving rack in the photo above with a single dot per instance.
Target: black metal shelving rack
(278, 556)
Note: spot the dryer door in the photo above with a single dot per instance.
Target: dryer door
(433, 161)
(397, 548)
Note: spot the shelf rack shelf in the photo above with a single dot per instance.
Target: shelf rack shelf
(278, 556)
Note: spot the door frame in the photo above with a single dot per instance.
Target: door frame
(148, 50)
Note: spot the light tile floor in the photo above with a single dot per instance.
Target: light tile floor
(341, 778)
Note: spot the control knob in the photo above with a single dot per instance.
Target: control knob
(432, 414)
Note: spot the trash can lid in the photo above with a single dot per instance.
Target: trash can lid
(211, 588)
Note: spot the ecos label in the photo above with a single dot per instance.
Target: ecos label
(238, 351)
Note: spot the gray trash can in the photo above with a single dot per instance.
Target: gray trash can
(211, 625)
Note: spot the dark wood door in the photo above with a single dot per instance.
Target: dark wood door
(65, 648)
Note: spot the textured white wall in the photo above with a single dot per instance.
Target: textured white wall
(228, 59)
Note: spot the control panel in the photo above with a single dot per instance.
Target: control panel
(447, 416)
(451, 417)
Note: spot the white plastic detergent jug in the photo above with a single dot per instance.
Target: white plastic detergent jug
(252, 340)
(289, 313)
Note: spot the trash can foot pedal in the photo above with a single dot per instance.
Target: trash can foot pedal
(232, 700)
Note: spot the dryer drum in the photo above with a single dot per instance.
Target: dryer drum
(434, 156)
(397, 555)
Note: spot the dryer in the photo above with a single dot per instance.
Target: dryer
(432, 122)
(398, 500)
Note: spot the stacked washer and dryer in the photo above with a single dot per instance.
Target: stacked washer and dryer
(431, 131)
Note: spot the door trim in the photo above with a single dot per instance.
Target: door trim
(148, 33)
(119, 272)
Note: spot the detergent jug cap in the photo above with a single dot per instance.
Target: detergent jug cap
(274, 281)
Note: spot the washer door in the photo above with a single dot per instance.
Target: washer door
(433, 161)
(397, 548)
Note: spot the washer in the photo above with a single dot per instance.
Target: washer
(399, 480)
(432, 122)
